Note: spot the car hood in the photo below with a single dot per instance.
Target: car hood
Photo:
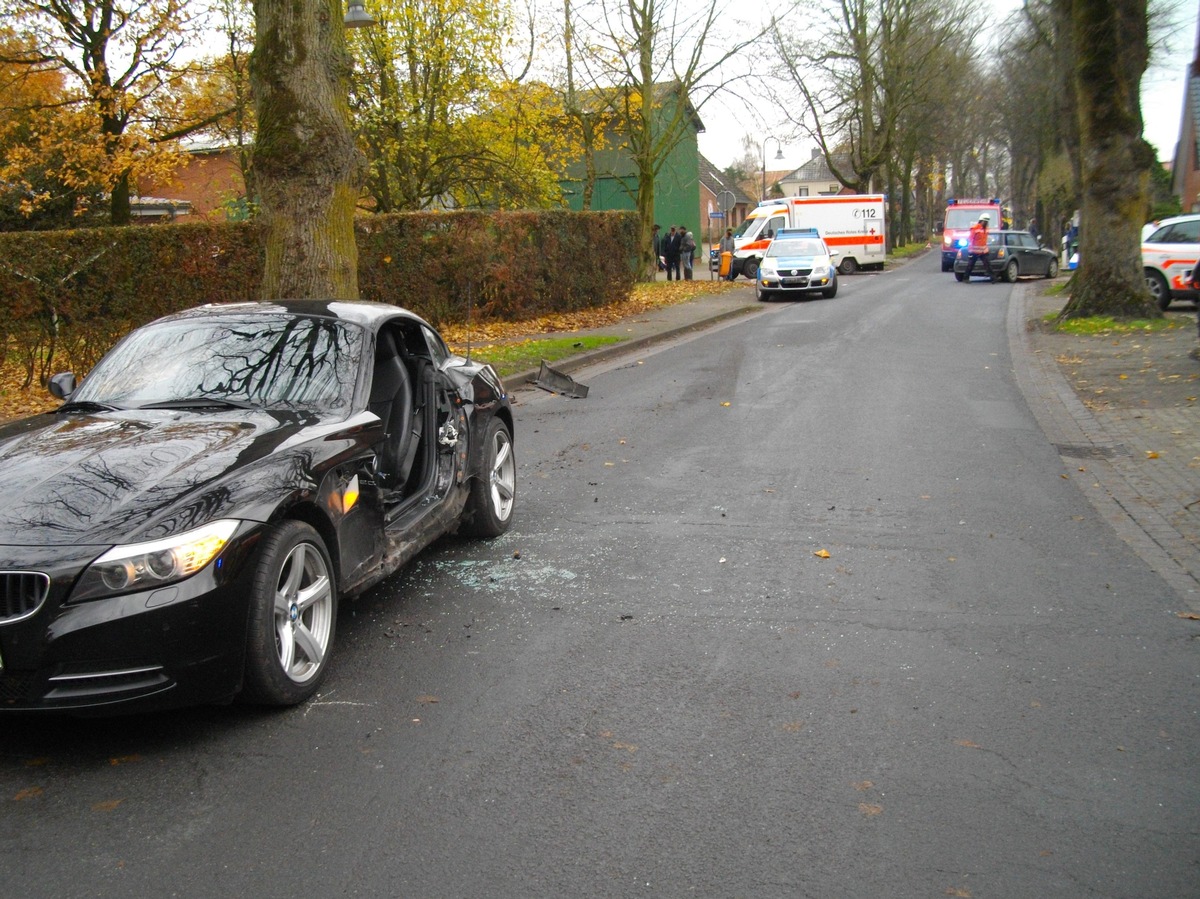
(799, 261)
(106, 478)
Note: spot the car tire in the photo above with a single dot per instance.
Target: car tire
(831, 291)
(750, 269)
(761, 295)
(493, 496)
(1052, 269)
(293, 617)
(1159, 290)
(848, 266)
(960, 276)
(1012, 271)
(947, 266)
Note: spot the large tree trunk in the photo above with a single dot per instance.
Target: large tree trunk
(1111, 52)
(306, 164)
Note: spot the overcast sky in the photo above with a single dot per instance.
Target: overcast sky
(727, 121)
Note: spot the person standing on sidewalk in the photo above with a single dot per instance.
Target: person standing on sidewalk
(659, 262)
(671, 253)
(687, 252)
(726, 246)
(977, 247)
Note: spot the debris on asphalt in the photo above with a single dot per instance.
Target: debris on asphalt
(555, 381)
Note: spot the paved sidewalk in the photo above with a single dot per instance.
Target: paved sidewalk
(1124, 413)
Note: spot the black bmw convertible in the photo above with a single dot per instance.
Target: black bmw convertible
(181, 529)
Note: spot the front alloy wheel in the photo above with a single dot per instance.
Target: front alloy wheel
(494, 493)
(292, 618)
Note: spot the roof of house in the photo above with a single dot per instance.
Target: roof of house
(717, 181)
(816, 169)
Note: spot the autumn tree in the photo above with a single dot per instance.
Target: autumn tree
(1111, 52)
(216, 100)
(651, 68)
(308, 169)
(115, 56)
(863, 69)
(38, 186)
(438, 116)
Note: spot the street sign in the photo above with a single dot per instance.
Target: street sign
(716, 215)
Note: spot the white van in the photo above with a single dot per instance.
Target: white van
(851, 224)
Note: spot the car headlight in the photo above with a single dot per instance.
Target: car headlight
(769, 267)
(820, 271)
(144, 566)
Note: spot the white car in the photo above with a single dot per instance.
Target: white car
(797, 261)
(1169, 253)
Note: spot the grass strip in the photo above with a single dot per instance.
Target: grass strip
(510, 358)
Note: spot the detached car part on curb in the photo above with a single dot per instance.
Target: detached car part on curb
(182, 529)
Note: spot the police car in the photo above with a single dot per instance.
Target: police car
(797, 261)
(1168, 254)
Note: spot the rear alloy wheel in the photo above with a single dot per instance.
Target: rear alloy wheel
(1012, 271)
(750, 269)
(1052, 269)
(848, 266)
(293, 616)
(494, 493)
(1157, 285)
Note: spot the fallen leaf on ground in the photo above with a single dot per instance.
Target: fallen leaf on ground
(822, 554)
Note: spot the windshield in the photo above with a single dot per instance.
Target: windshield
(959, 218)
(745, 226)
(796, 248)
(263, 360)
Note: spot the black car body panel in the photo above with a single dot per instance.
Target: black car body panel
(89, 477)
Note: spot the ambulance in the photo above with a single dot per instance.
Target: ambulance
(852, 225)
(961, 214)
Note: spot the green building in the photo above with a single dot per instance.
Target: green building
(677, 188)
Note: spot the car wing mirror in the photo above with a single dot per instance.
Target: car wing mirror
(61, 385)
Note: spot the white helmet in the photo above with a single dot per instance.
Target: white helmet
(985, 217)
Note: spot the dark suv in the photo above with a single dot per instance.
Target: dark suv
(1010, 255)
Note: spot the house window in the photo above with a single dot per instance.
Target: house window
(802, 192)
(833, 188)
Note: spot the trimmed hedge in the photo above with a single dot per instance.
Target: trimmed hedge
(66, 296)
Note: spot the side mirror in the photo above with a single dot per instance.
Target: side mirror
(61, 385)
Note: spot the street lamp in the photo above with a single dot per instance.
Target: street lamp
(778, 156)
(357, 15)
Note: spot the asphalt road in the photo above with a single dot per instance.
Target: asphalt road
(658, 684)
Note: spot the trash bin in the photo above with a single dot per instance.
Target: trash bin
(726, 262)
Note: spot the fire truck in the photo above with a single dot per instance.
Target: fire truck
(961, 214)
(852, 225)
